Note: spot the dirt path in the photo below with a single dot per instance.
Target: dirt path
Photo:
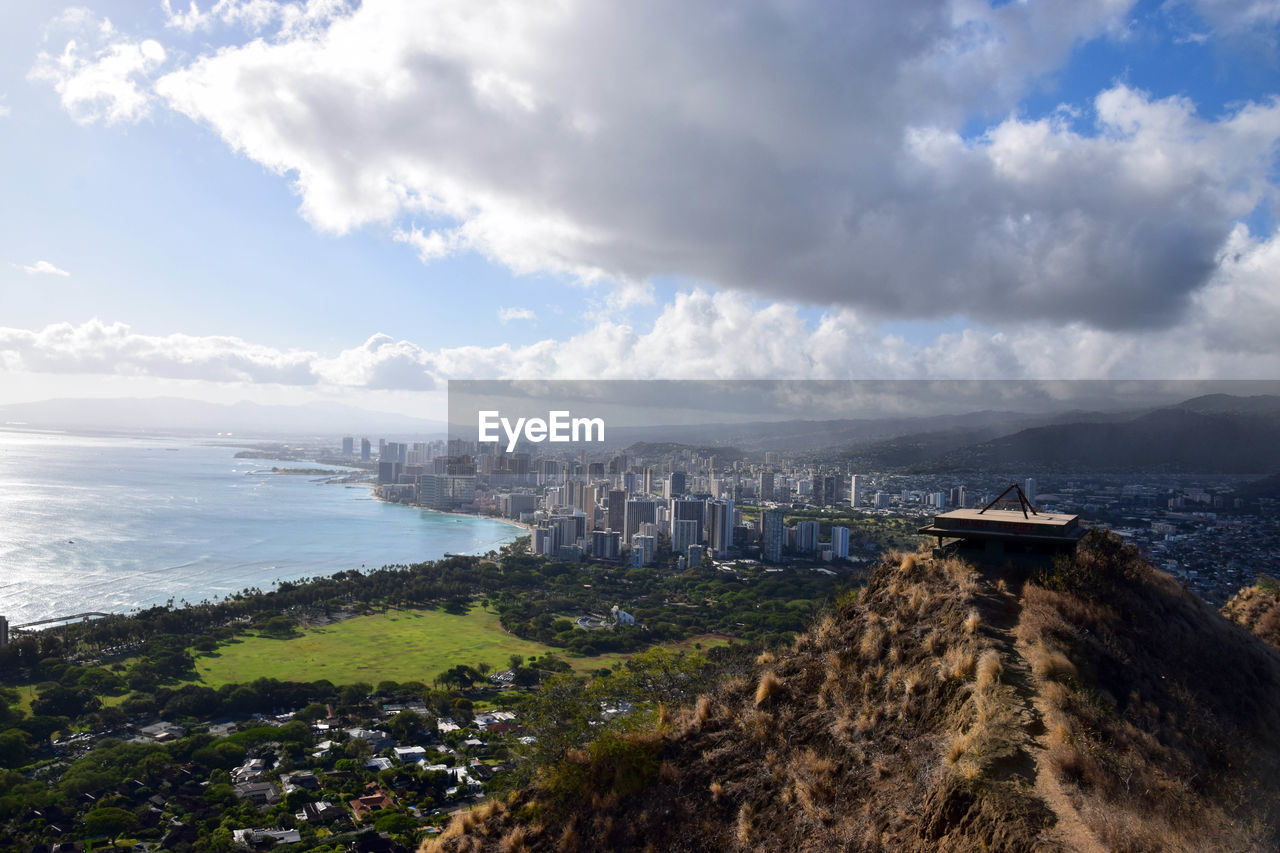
(1073, 831)
(1000, 612)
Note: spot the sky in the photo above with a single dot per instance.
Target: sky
(286, 202)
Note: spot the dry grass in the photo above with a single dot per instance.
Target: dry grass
(717, 791)
(514, 841)
(570, 841)
(989, 670)
(872, 642)
(702, 711)
(768, 687)
(972, 621)
(765, 658)
(956, 663)
(1049, 663)
(744, 830)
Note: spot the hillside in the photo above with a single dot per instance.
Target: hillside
(1257, 608)
(1100, 708)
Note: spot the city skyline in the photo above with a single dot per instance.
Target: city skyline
(287, 202)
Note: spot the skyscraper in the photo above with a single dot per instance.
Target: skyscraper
(638, 511)
(774, 535)
(840, 543)
(764, 486)
(690, 510)
(720, 524)
(855, 490)
(1030, 490)
(349, 446)
(807, 537)
(366, 450)
(684, 532)
(617, 510)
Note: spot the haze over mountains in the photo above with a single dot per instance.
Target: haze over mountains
(1216, 433)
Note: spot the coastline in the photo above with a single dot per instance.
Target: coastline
(373, 493)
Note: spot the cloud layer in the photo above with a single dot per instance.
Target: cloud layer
(807, 151)
(724, 335)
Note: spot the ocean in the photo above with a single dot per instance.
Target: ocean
(117, 523)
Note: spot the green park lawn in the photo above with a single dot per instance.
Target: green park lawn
(399, 645)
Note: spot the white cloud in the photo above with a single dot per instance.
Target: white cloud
(97, 347)
(253, 15)
(716, 147)
(42, 268)
(1239, 15)
(722, 335)
(100, 75)
(506, 315)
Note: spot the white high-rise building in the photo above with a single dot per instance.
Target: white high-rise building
(855, 490)
(1030, 490)
(684, 532)
(807, 537)
(840, 543)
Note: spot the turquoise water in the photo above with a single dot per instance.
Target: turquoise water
(116, 523)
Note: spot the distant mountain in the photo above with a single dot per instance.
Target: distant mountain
(174, 414)
(1212, 434)
(808, 436)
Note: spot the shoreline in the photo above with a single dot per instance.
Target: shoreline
(373, 493)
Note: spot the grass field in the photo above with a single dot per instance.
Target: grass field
(400, 645)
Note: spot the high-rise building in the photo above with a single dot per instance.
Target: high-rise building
(1030, 490)
(720, 526)
(606, 544)
(617, 510)
(638, 511)
(840, 543)
(4, 632)
(764, 486)
(775, 535)
(446, 491)
(684, 532)
(676, 484)
(349, 446)
(817, 491)
(826, 490)
(695, 555)
(807, 537)
(856, 483)
(882, 500)
(690, 510)
(366, 450)
(646, 545)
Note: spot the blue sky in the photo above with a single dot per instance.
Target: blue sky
(224, 205)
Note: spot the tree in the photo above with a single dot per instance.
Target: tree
(109, 821)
